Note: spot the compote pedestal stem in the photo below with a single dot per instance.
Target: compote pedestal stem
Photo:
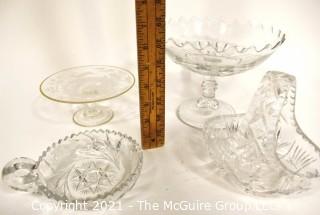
(208, 97)
(91, 110)
(92, 114)
(196, 111)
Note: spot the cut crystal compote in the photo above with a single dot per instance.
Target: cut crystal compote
(215, 48)
(264, 151)
(89, 166)
(88, 85)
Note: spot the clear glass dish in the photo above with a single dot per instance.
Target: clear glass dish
(215, 48)
(88, 85)
(264, 151)
(87, 166)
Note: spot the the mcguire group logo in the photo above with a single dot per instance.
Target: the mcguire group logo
(166, 205)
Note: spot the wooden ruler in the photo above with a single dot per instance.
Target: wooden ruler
(150, 23)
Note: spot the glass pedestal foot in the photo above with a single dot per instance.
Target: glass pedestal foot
(90, 116)
(192, 115)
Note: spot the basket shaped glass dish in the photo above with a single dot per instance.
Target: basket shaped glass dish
(264, 151)
(85, 167)
(215, 48)
(88, 85)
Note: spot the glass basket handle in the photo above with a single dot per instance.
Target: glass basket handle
(20, 174)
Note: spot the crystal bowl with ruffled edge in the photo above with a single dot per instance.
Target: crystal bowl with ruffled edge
(90, 166)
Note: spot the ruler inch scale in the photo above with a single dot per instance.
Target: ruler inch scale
(150, 25)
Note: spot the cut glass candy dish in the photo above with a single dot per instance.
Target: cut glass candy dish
(215, 48)
(87, 85)
(88, 166)
(264, 151)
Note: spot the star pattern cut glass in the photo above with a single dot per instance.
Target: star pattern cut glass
(88, 166)
(264, 151)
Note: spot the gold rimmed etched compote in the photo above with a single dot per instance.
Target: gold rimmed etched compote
(215, 48)
(88, 85)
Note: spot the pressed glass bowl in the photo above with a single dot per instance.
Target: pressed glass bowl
(264, 151)
(88, 166)
(215, 48)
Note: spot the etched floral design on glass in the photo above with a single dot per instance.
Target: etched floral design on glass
(87, 85)
(88, 166)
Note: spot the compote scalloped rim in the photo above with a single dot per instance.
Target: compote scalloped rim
(228, 45)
